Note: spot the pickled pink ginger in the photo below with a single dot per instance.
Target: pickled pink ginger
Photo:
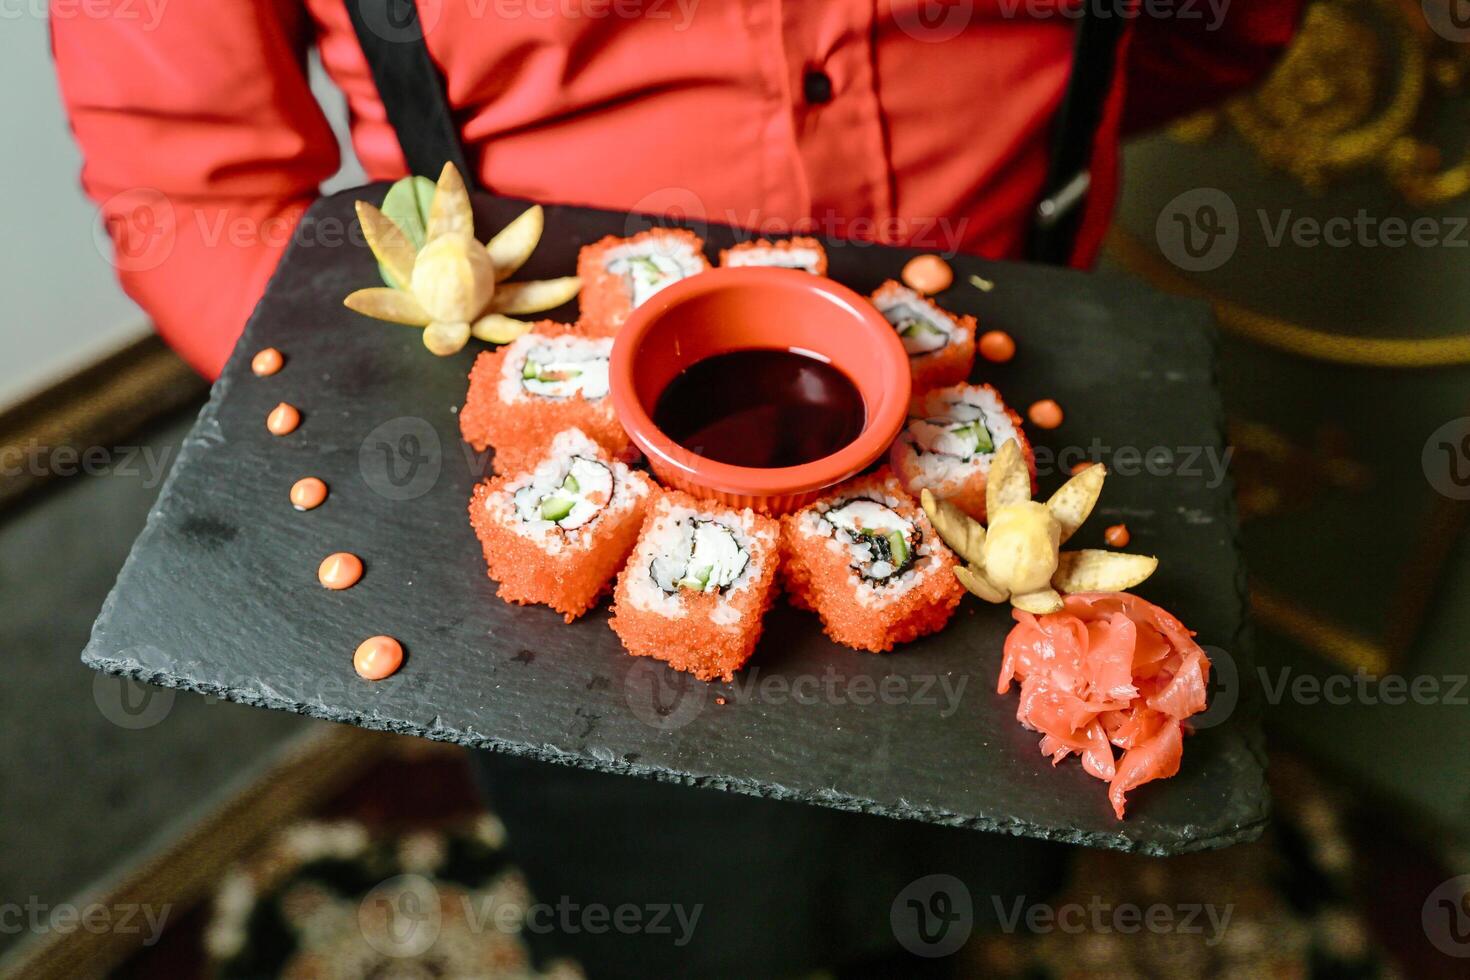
(1109, 671)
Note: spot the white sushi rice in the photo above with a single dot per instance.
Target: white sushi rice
(567, 499)
(807, 259)
(879, 540)
(602, 489)
(921, 327)
(938, 447)
(651, 265)
(870, 591)
(537, 366)
(697, 551)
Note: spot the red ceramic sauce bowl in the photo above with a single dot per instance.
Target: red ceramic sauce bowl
(726, 310)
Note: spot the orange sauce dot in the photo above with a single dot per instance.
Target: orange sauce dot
(1045, 414)
(377, 657)
(308, 493)
(997, 346)
(283, 420)
(1117, 536)
(340, 570)
(267, 362)
(1079, 467)
(928, 274)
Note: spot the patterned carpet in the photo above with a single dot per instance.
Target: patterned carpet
(405, 877)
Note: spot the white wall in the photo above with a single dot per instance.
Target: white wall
(60, 306)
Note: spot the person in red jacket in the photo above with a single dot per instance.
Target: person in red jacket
(910, 122)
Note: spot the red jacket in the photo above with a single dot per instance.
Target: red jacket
(203, 143)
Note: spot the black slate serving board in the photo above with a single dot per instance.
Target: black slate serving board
(219, 595)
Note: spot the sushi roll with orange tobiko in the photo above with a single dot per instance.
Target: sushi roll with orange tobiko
(620, 274)
(523, 394)
(697, 585)
(940, 345)
(557, 533)
(947, 445)
(867, 561)
(806, 254)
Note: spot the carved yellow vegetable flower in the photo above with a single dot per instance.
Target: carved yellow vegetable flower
(1018, 557)
(440, 277)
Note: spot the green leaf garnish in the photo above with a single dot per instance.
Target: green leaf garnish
(407, 206)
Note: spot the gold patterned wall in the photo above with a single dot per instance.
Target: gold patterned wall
(1344, 182)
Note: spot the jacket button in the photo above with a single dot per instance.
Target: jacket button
(816, 86)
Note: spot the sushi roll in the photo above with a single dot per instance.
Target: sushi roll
(940, 345)
(866, 560)
(789, 253)
(620, 274)
(523, 394)
(950, 438)
(698, 582)
(557, 533)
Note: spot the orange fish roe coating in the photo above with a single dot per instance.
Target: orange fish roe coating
(857, 610)
(608, 294)
(542, 561)
(708, 633)
(790, 253)
(501, 412)
(949, 364)
(938, 450)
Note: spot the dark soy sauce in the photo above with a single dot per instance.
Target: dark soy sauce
(761, 408)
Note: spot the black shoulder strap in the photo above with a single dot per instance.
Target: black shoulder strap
(392, 39)
(1059, 212)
